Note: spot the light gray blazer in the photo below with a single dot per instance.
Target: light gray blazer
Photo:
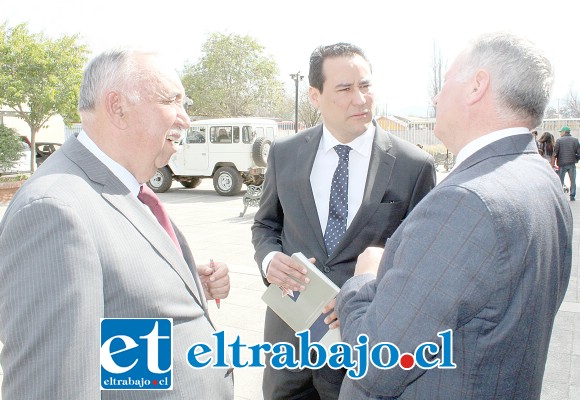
(487, 254)
(76, 247)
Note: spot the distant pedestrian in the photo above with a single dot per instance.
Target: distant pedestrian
(546, 147)
(535, 135)
(565, 150)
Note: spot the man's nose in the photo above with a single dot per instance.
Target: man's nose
(182, 117)
(359, 97)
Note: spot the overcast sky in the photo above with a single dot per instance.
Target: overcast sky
(398, 38)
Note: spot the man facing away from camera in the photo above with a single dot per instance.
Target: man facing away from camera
(474, 256)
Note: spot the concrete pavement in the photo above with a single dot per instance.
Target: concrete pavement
(214, 230)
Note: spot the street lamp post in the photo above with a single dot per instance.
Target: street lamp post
(297, 78)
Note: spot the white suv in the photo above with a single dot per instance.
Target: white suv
(232, 151)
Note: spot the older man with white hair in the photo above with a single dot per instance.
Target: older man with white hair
(85, 239)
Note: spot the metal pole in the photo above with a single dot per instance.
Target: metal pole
(296, 104)
(297, 78)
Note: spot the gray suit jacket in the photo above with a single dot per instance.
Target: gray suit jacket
(77, 247)
(400, 175)
(487, 254)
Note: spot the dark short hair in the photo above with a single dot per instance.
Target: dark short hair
(316, 77)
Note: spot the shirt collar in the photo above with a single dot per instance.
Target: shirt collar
(362, 144)
(479, 143)
(117, 169)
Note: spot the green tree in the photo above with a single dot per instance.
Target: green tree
(10, 148)
(234, 78)
(40, 77)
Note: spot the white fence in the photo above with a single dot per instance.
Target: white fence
(71, 130)
(421, 133)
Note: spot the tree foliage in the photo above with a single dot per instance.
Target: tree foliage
(307, 113)
(40, 77)
(568, 107)
(551, 112)
(571, 108)
(235, 78)
(10, 148)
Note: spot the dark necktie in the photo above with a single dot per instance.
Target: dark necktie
(150, 199)
(338, 204)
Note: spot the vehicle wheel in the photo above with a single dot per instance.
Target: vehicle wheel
(193, 183)
(227, 181)
(161, 181)
(260, 151)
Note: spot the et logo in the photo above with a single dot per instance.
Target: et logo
(136, 354)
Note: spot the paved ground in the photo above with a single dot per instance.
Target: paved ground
(215, 230)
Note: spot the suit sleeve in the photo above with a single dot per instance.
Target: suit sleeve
(437, 272)
(52, 300)
(268, 221)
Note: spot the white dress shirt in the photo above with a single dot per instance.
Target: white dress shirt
(479, 143)
(325, 164)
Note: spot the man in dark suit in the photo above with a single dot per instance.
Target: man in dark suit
(481, 255)
(78, 245)
(386, 178)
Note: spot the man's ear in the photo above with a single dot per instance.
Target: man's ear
(114, 104)
(480, 86)
(313, 95)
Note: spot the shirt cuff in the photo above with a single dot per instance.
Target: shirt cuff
(266, 262)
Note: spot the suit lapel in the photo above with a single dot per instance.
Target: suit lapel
(378, 177)
(118, 196)
(304, 162)
(135, 213)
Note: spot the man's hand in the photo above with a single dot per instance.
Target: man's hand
(284, 272)
(216, 282)
(368, 261)
(332, 319)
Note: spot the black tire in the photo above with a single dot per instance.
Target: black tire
(260, 150)
(227, 181)
(161, 181)
(193, 183)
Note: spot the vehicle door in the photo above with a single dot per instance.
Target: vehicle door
(193, 154)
